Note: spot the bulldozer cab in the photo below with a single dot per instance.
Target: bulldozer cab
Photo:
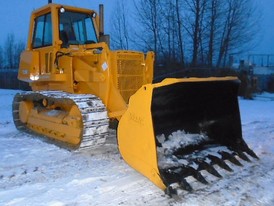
(52, 28)
(70, 25)
(55, 31)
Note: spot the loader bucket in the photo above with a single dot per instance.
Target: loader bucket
(171, 129)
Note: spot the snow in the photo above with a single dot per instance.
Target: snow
(33, 172)
(178, 139)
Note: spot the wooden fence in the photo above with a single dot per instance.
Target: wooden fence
(8, 80)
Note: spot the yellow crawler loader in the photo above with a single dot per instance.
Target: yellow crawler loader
(167, 131)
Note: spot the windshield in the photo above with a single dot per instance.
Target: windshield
(76, 28)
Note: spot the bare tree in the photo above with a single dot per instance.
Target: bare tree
(19, 47)
(170, 31)
(120, 26)
(2, 63)
(171, 27)
(195, 17)
(239, 27)
(218, 27)
(174, 31)
(180, 33)
(214, 15)
(9, 50)
(150, 17)
(162, 31)
(199, 32)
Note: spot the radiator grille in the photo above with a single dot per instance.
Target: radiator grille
(130, 73)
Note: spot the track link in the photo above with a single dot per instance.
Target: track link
(94, 116)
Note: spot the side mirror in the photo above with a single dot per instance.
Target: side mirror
(105, 38)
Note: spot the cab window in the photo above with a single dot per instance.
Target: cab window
(42, 35)
(76, 28)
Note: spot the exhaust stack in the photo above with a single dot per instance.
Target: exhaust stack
(102, 36)
(101, 17)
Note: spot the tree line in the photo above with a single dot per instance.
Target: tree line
(10, 52)
(9, 63)
(188, 33)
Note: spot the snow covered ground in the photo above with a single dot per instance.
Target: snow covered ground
(33, 172)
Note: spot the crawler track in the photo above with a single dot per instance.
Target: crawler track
(94, 115)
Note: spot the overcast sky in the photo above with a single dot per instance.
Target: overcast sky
(266, 42)
(14, 18)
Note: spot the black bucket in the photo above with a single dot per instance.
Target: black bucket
(208, 107)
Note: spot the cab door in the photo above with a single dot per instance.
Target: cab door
(42, 42)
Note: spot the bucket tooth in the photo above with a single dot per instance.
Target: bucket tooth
(170, 191)
(185, 186)
(251, 153)
(170, 176)
(242, 155)
(209, 168)
(186, 171)
(230, 157)
(220, 162)
(196, 174)
(177, 175)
